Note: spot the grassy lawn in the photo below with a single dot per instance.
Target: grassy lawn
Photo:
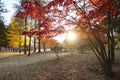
(71, 67)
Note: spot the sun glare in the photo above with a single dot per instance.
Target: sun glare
(60, 38)
(71, 36)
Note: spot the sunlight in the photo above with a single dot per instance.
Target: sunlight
(60, 38)
(71, 36)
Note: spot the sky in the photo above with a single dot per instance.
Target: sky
(9, 5)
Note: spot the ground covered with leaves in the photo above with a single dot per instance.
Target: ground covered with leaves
(70, 67)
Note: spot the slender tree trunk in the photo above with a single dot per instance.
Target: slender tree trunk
(20, 45)
(39, 41)
(112, 48)
(104, 57)
(44, 48)
(34, 44)
(107, 58)
(30, 39)
(39, 46)
(106, 63)
(25, 49)
(25, 45)
(29, 46)
(35, 37)
(107, 68)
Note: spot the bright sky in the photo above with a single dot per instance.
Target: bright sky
(9, 5)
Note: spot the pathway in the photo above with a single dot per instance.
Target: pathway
(19, 60)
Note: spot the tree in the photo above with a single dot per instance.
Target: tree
(14, 33)
(3, 30)
(97, 20)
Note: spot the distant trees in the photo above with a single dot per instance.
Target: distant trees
(47, 43)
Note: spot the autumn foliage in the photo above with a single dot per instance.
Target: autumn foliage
(38, 12)
(94, 18)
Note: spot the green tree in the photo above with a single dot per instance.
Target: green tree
(3, 30)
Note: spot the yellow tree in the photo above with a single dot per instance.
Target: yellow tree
(14, 33)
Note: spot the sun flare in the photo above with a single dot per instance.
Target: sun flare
(71, 36)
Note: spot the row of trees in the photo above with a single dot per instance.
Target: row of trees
(16, 36)
(12, 36)
(37, 25)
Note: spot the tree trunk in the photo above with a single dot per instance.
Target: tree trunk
(112, 48)
(104, 58)
(39, 43)
(44, 48)
(108, 58)
(20, 45)
(34, 44)
(25, 45)
(29, 46)
(107, 68)
(35, 37)
(39, 46)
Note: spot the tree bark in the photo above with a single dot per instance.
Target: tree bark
(25, 45)
(29, 46)
(34, 44)
(39, 46)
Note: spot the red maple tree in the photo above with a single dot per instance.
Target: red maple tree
(94, 18)
(44, 29)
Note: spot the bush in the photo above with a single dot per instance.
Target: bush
(57, 49)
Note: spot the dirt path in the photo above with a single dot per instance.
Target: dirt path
(19, 60)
